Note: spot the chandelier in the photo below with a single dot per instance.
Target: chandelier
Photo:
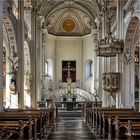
(109, 46)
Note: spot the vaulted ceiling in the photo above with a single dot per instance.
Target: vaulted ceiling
(70, 17)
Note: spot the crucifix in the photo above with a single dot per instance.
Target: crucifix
(69, 69)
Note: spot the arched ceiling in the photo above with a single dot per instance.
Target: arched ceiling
(69, 17)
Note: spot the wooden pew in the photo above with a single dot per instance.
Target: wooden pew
(103, 120)
(133, 130)
(108, 118)
(97, 117)
(124, 128)
(9, 128)
(27, 118)
(38, 120)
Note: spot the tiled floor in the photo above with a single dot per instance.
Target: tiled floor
(71, 128)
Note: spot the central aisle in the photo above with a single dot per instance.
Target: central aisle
(71, 128)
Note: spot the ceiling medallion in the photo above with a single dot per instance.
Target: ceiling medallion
(68, 25)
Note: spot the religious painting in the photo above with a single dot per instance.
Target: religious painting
(68, 71)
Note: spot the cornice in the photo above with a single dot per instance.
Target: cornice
(129, 5)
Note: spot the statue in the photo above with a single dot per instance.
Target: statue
(28, 79)
(13, 69)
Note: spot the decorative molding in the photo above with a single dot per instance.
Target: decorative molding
(129, 6)
(111, 81)
(128, 54)
(13, 53)
(10, 33)
(81, 12)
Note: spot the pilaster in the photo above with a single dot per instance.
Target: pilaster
(20, 44)
(39, 58)
(104, 61)
(33, 54)
(1, 55)
(139, 80)
(119, 64)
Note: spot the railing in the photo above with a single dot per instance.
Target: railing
(80, 94)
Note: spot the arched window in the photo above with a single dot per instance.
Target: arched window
(49, 70)
(46, 67)
(89, 69)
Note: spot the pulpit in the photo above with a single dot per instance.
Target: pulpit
(111, 81)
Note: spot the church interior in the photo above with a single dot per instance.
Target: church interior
(69, 68)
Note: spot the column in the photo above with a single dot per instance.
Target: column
(44, 40)
(1, 55)
(139, 80)
(120, 35)
(42, 44)
(33, 54)
(101, 62)
(20, 48)
(104, 60)
(39, 57)
(41, 60)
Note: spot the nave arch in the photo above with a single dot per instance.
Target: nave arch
(11, 58)
(27, 75)
(9, 43)
(131, 41)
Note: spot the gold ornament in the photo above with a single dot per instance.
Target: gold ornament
(68, 25)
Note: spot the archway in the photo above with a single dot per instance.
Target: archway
(11, 64)
(88, 69)
(88, 76)
(131, 41)
(27, 76)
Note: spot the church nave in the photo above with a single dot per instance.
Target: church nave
(69, 69)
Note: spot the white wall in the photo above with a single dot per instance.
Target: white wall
(50, 54)
(69, 48)
(80, 49)
(88, 54)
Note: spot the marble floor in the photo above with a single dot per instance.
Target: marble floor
(71, 128)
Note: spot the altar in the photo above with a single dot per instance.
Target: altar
(70, 106)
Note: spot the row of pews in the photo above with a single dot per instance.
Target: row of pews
(33, 123)
(113, 123)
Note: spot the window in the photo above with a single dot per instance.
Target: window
(89, 69)
(46, 67)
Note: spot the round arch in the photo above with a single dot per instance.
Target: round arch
(9, 42)
(88, 68)
(131, 39)
(49, 70)
(27, 76)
